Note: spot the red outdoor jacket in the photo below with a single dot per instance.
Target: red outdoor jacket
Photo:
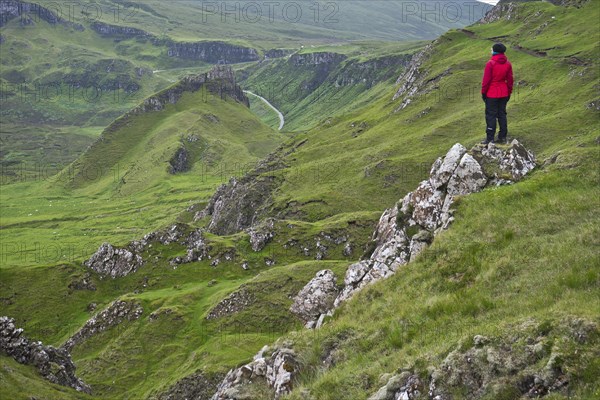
(497, 77)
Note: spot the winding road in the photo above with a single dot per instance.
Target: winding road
(281, 119)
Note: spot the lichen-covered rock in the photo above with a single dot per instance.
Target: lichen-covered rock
(468, 177)
(529, 361)
(261, 235)
(316, 297)
(277, 367)
(405, 386)
(114, 262)
(235, 302)
(518, 161)
(405, 230)
(116, 313)
(53, 364)
(198, 386)
(443, 168)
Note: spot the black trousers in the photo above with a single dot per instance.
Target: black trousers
(495, 109)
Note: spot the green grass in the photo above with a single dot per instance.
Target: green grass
(516, 253)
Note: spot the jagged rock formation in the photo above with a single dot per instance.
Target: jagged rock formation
(119, 262)
(261, 234)
(53, 364)
(316, 299)
(117, 312)
(240, 204)
(503, 367)
(278, 370)
(198, 386)
(235, 302)
(114, 262)
(406, 229)
(212, 52)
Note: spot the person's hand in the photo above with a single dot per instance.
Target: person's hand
(483, 96)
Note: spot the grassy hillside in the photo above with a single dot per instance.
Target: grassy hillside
(64, 82)
(520, 261)
(344, 78)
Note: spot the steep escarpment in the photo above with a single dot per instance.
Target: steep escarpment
(212, 52)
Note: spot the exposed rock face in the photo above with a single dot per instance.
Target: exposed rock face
(240, 204)
(108, 30)
(212, 52)
(405, 386)
(179, 162)
(407, 229)
(117, 312)
(119, 262)
(317, 58)
(114, 262)
(232, 304)
(501, 11)
(527, 363)
(197, 386)
(261, 234)
(277, 53)
(369, 72)
(278, 370)
(53, 364)
(412, 74)
(316, 298)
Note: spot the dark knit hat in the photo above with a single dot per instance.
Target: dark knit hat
(499, 48)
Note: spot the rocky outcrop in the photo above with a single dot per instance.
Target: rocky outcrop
(277, 367)
(198, 386)
(242, 203)
(53, 364)
(528, 363)
(212, 52)
(316, 299)
(235, 302)
(503, 10)
(179, 162)
(277, 53)
(116, 313)
(120, 262)
(120, 31)
(405, 386)
(415, 80)
(406, 229)
(261, 234)
(114, 262)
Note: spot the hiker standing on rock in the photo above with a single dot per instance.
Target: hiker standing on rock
(496, 88)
